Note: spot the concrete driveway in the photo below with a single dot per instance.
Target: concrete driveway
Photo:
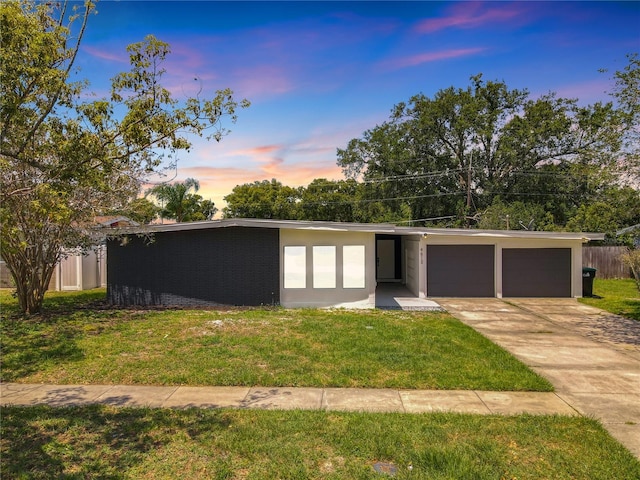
(591, 357)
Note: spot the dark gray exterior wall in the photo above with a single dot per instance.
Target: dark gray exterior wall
(219, 266)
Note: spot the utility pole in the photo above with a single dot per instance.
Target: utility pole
(469, 189)
(469, 183)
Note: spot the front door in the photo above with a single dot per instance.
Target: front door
(386, 260)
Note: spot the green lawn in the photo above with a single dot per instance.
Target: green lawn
(619, 296)
(79, 340)
(75, 343)
(104, 442)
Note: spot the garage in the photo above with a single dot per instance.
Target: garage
(536, 272)
(461, 270)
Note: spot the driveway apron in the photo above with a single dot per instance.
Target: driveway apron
(591, 357)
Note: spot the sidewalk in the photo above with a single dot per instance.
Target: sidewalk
(330, 399)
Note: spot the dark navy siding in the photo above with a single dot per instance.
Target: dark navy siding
(228, 266)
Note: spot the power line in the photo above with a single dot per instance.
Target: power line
(432, 219)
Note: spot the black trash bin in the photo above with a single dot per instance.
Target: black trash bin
(588, 274)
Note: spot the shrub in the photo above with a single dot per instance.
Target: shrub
(632, 259)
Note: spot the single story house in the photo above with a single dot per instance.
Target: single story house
(330, 264)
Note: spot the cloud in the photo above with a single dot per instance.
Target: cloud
(261, 81)
(427, 57)
(120, 57)
(473, 15)
(233, 163)
(263, 149)
(294, 163)
(218, 182)
(271, 167)
(297, 55)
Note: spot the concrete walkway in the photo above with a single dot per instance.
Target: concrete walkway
(396, 296)
(284, 398)
(591, 357)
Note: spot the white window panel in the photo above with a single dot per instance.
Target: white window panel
(353, 266)
(324, 266)
(295, 267)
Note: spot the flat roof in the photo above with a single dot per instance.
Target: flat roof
(379, 228)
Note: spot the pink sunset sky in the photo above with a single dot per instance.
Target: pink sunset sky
(321, 73)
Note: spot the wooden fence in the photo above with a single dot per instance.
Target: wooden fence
(606, 260)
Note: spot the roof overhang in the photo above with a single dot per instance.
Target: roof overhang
(377, 228)
(583, 236)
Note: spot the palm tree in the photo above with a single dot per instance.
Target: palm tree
(177, 201)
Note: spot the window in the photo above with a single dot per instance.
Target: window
(324, 267)
(295, 267)
(353, 266)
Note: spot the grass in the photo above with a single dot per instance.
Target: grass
(619, 296)
(79, 343)
(78, 340)
(108, 443)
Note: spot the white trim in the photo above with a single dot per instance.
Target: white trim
(361, 227)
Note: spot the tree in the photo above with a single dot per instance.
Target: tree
(454, 153)
(178, 203)
(613, 209)
(626, 93)
(140, 210)
(265, 199)
(632, 258)
(329, 200)
(403, 177)
(595, 217)
(64, 159)
(516, 215)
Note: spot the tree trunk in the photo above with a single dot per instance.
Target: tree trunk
(31, 270)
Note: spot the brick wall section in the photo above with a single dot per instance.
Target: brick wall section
(220, 266)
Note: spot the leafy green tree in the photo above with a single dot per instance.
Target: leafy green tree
(403, 176)
(614, 209)
(329, 200)
(206, 210)
(632, 258)
(262, 199)
(140, 210)
(454, 153)
(626, 93)
(595, 217)
(516, 215)
(64, 158)
(178, 203)
(626, 200)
